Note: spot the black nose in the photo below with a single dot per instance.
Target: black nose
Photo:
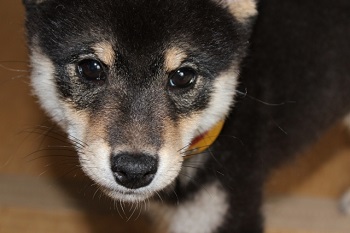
(134, 171)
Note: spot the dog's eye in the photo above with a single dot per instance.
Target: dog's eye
(183, 77)
(92, 70)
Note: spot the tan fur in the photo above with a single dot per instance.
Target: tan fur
(173, 58)
(135, 135)
(189, 129)
(77, 122)
(171, 133)
(242, 9)
(105, 52)
(170, 161)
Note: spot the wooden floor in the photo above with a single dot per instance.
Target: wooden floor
(42, 190)
(40, 205)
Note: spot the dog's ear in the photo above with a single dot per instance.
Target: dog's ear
(240, 9)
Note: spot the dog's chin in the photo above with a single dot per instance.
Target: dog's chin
(137, 195)
(128, 196)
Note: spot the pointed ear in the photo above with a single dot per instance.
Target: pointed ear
(240, 9)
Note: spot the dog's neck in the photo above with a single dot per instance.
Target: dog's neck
(204, 140)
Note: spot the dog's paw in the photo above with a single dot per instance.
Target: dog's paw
(345, 203)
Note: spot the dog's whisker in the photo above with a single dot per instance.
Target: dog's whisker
(133, 212)
(140, 210)
(45, 134)
(177, 197)
(95, 193)
(56, 136)
(116, 206)
(70, 147)
(67, 161)
(121, 204)
(12, 69)
(158, 194)
(230, 136)
(43, 173)
(194, 167)
(245, 94)
(194, 150)
(184, 147)
(50, 130)
(76, 168)
(50, 150)
(147, 204)
(220, 173)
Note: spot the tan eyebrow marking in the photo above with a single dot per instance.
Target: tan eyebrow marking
(173, 58)
(105, 52)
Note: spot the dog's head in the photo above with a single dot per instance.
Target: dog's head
(133, 82)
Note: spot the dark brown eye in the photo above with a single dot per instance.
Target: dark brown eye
(92, 70)
(183, 77)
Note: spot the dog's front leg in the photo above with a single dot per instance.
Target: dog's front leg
(245, 201)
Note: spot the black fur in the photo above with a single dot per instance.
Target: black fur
(294, 83)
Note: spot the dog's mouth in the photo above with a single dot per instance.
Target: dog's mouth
(127, 196)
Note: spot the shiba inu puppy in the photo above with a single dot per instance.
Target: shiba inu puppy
(143, 87)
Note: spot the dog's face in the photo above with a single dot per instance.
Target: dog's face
(134, 81)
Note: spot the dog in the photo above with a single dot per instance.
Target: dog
(191, 102)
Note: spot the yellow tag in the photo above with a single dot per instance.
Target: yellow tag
(204, 140)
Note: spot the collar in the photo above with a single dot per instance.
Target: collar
(203, 141)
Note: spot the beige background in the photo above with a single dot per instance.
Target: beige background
(43, 190)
